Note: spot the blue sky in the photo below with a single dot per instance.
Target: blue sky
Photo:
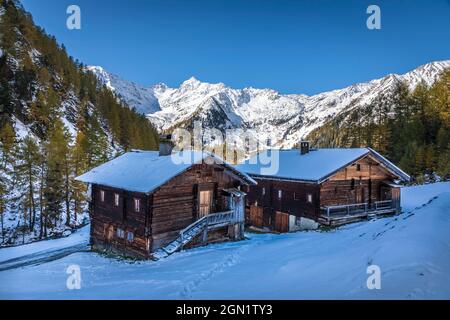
(290, 46)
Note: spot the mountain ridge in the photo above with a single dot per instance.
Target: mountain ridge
(265, 113)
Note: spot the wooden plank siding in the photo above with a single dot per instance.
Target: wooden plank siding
(175, 203)
(359, 182)
(281, 222)
(163, 213)
(293, 201)
(350, 185)
(256, 216)
(105, 215)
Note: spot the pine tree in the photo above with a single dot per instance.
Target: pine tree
(79, 165)
(97, 143)
(7, 140)
(56, 181)
(42, 165)
(5, 188)
(26, 174)
(3, 203)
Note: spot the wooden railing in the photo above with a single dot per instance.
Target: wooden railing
(356, 209)
(210, 220)
(219, 218)
(381, 205)
(190, 232)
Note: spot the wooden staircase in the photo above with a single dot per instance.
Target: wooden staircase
(212, 221)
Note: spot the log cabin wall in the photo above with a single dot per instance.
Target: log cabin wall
(263, 199)
(107, 218)
(360, 182)
(294, 199)
(175, 203)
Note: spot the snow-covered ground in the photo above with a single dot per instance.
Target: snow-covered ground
(412, 250)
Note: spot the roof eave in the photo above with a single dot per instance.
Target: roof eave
(262, 177)
(391, 167)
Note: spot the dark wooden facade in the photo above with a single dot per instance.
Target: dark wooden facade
(163, 213)
(278, 205)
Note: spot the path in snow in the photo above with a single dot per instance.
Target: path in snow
(41, 257)
(44, 251)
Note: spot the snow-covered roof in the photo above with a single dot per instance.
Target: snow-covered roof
(315, 166)
(144, 171)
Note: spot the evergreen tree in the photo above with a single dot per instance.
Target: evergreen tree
(56, 190)
(97, 143)
(79, 165)
(26, 175)
(7, 140)
(3, 203)
(411, 128)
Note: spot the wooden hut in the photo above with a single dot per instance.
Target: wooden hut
(321, 186)
(149, 204)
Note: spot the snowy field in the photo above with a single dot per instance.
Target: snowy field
(412, 250)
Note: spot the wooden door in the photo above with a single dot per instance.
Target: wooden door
(396, 198)
(205, 203)
(256, 216)
(386, 193)
(237, 205)
(360, 195)
(281, 222)
(109, 233)
(363, 195)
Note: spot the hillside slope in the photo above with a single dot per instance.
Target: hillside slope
(56, 121)
(411, 249)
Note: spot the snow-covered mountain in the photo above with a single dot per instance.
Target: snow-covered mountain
(134, 95)
(265, 113)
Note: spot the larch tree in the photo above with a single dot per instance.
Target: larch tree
(26, 175)
(56, 191)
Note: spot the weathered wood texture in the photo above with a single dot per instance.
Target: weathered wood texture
(281, 222)
(106, 219)
(360, 182)
(163, 213)
(175, 204)
(256, 216)
(293, 200)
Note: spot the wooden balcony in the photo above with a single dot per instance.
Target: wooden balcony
(339, 215)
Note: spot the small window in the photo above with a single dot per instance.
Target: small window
(130, 236)
(116, 199)
(358, 167)
(298, 221)
(120, 233)
(102, 195)
(280, 194)
(137, 205)
(263, 192)
(352, 186)
(296, 196)
(256, 203)
(309, 198)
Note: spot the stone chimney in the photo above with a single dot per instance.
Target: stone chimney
(166, 145)
(304, 147)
